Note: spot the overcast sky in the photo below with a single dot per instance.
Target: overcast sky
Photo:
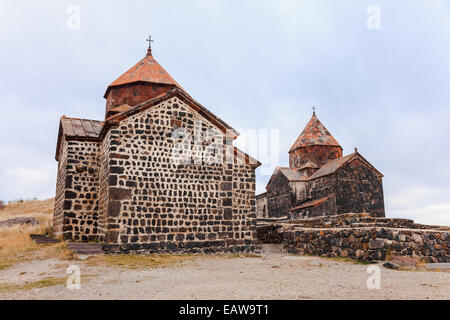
(255, 64)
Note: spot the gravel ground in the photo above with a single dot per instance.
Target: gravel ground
(272, 276)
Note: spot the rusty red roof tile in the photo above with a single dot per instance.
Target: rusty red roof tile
(314, 133)
(146, 70)
(309, 204)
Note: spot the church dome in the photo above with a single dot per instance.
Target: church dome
(144, 81)
(147, 70)
(315, 144)
(314, 134)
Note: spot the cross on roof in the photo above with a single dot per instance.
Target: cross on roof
(314, 109)
(150, 42)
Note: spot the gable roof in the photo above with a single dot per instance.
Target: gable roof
(183, 96)
(290, 174)
(316, 134)
(146, 70)
(78, 129)
(333, 165)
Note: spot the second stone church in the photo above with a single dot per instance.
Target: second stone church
(321, 181)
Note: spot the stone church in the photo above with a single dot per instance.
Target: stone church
(320, 181)
(120, 181)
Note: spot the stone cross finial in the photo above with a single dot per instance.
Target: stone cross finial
(149, 51)
(314, 110)
(150, 42)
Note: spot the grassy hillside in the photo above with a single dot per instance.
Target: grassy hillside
(17, 238)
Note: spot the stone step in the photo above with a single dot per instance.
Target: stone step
(43, 239)
(84, 248)
(444, 266)
(85, 245)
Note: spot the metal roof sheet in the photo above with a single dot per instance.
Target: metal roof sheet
(81, 128)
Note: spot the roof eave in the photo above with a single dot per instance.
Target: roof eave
(226, 128)
(293, 148)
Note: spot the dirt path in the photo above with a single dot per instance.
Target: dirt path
(271, 276)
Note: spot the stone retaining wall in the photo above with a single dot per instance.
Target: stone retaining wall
(369, 243)
(359, 236)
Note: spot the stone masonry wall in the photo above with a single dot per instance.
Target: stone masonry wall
(156, 205)
(261, 205)
(317, 154)
(370, 243)
(322, 187)
(359, 236)
(280, 196)
(359, 189)
(104, 182)
(58, 216)
(134, 94)
(77, 187)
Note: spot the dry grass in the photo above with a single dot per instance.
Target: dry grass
(243, 255)
(136, 261)
(15, 242)
(348, 259)
(31, 208)
(133, 261)
(47, 282)
(16, 239)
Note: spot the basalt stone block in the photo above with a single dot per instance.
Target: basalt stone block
(112, 180)
(68, 182)
(227, 202)
(228, 213)
(113, 209)
(125, 247)
(119, 156)
(226, 186)
(67, 205)
(136, 246)
(115, 169)
(70, 194)
(180, 237)
(119, 193)
(171, 246)
(70, 215)
(131, 184)
(112, 236)
(67, 228)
